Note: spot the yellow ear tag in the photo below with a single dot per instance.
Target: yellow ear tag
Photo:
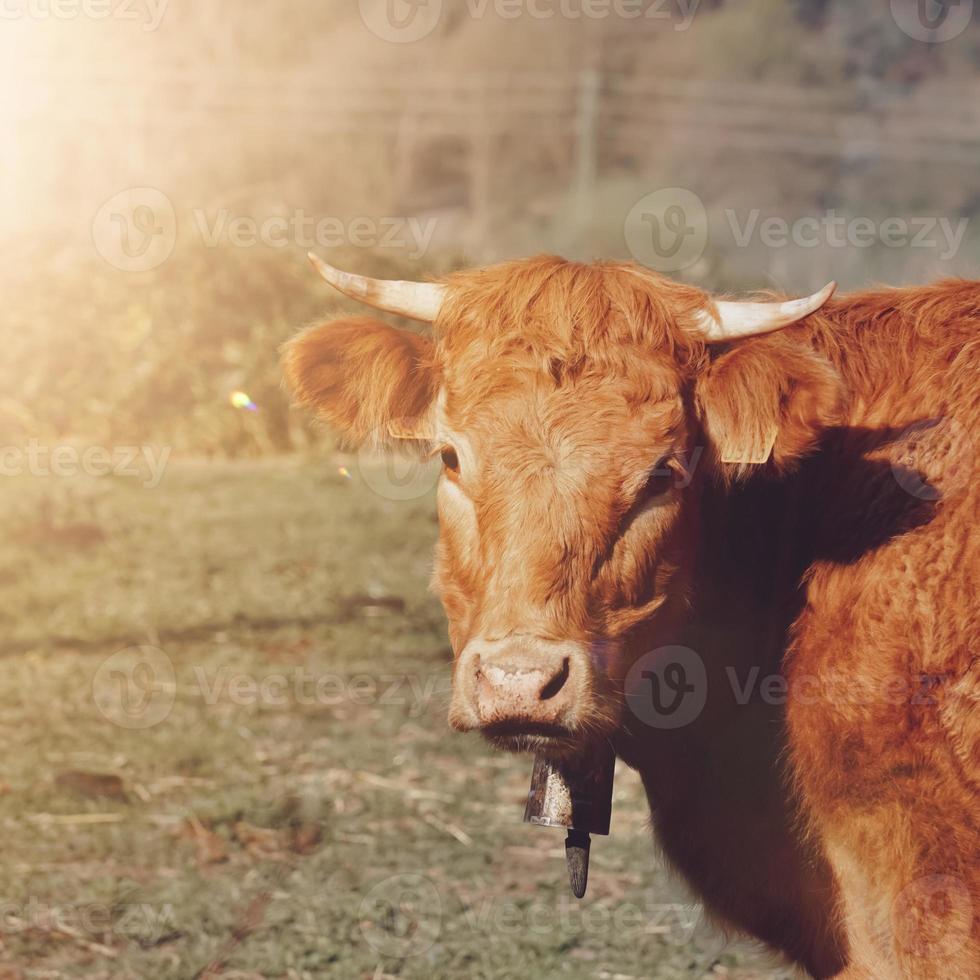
(399, 431)
(756, 452)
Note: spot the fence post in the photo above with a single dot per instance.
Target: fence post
(405, 145)
(136, 116)
(10, 171)
(586, 145)
(481, 169)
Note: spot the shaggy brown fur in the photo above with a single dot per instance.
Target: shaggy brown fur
(826, 797)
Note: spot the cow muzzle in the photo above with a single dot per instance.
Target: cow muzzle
(520, 686)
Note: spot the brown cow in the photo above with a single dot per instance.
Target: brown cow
(765, 513)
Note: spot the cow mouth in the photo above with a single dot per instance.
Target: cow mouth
(552, 741)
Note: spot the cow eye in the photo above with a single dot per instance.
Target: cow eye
(450, 461)
(660, 479)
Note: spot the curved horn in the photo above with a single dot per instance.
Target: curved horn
(417, 300)
(736, 320)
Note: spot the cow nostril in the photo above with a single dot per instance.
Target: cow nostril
(556, 683)
(520, 685)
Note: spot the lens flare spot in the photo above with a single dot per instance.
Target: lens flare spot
(241, 400)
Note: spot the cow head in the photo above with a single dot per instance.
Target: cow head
(576, 409)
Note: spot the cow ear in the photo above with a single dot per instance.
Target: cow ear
(766, 399)
(372, 382)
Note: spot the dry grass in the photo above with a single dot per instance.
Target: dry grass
(268, 827)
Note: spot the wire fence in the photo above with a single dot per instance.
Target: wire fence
(933, 123)
(127, 123)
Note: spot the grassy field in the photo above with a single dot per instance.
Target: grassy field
(225, 753)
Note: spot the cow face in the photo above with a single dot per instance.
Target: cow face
(576, 410)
